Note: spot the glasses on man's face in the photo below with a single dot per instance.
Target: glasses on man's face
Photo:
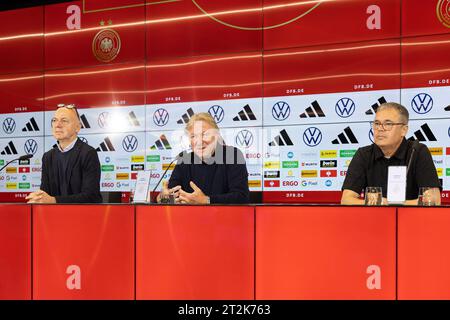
(387, 126)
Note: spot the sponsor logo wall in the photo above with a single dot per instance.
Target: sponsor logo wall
(298, 104)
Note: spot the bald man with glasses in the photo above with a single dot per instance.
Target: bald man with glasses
(71, 169)
(369, 166)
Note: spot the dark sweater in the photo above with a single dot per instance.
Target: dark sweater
(224, 178)
(81, 182)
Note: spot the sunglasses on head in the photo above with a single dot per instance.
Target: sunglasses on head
(69, 106)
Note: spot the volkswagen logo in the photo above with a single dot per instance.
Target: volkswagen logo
(371, 135)
(30, 146)
(422, 103)
(161, 117)
(312, 136)
(345, 107)
(9, 125)
(281, 111)
(130, 143)
(449, 132)
(103, 120)
(83, 139)
(244, 138)
(217, 113)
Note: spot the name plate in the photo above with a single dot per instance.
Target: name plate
(396, 186)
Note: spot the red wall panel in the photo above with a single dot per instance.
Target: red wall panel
(15, 252)
(97, 239)
(324, 252)
(67, 48)
(334, 68)
(421, 17)
(21, 40)
(202, 253)
(294, 23)
(205, 78)
(425, 61)
(187, 28)
(21, 92)
(99, 86)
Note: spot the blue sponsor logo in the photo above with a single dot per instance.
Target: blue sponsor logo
(422, 103)
(9, 125)
(30, 146)
(345, 107)
(281, 111)
(371, 136)
(244, 138)
(217, 113)
(161, 117)
(290, 154)
(328, 183)
(130, 143)
(312, 137)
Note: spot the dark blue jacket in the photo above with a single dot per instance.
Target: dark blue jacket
(224, 178)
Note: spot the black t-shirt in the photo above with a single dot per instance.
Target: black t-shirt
(369, 167)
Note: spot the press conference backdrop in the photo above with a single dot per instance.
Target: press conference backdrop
(291, 83)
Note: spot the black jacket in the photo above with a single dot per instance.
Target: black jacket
(83, 175)
(224, 181)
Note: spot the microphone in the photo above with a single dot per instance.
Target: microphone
(179, 156)
(415, 145)
(24, 157)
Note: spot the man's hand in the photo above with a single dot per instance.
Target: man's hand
(40, 197)
(196, 197)
(166, 192)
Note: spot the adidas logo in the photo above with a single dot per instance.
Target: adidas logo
(132, 119)
(106, 145)
(374, 107)
(161, 144)
(345, 137)
(84, 122)
(447, 108)
(245, 114)
(419, 134)
(282, 139)
(31, 126)
(309, 112)
(9, 149)
(185, 117)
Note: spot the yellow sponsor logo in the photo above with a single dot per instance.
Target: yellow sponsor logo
(328, 154)
(11, 170)
(137, 159)
(166, 165)
(122, 176)
(272, 165)
(440, 172)
(436, 151)
(254, 183)
(309, 173)
(11, 185)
